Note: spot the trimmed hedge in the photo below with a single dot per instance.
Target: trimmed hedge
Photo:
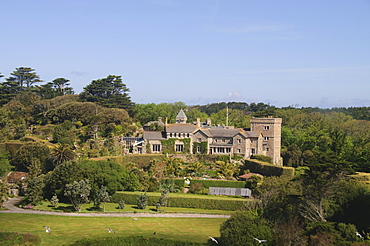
(267, 169)
(178, 182)
(13, 146)
(210, 183)
(263, 158)
(185, 202)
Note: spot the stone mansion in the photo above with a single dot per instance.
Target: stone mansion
(263, 138)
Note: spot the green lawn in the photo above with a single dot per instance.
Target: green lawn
(112, 208)
(66, 230)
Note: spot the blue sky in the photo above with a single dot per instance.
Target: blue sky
(306, 53)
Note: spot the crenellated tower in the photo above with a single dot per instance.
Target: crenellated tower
(271, 132)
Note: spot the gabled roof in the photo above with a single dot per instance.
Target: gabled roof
(218, 132)
(181, 115)
(205, 132)
(253, 134)
(180, 128)
(224, 132)
(153, 135)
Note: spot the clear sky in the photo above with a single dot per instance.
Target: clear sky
(306, 53)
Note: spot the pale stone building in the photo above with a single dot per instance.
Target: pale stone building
(264, 138)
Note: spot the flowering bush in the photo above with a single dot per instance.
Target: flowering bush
(29, 206)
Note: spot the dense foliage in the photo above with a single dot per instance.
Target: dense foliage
(242, 228)
(51, 133)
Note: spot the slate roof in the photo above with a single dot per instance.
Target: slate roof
(153, 135)
(180, 128)
(181, 115)
(221, 132)
(205, 132)
(252, 134)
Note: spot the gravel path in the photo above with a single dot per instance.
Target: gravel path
(9, 204)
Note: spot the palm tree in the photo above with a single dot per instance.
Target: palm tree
(62, 153)
(226, 168)
(173, 166)
(196, 167)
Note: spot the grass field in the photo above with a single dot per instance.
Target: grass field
(66, 230)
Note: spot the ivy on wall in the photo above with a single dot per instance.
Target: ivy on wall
(168, 146)
(147, 147)
(186, 142)
(203, 147)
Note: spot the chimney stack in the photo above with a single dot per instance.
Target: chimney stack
(208, 122)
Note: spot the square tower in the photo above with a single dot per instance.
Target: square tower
(271, 131)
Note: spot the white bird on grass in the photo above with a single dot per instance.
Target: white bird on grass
(259, 240)
(214, 240)
(47, 229)
(110, 230)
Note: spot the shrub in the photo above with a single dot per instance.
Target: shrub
(335, 233)
(241, 229)
(253, 181)
(172, 185)
(29, 206)
(54, 201)
(203, 191)
(196, 187)
(142, 201)
(121, 204)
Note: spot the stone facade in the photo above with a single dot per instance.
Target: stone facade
(264, 138)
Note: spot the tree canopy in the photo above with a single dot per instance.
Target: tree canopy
(108, 92)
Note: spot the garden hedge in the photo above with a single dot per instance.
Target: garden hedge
(210, 183)
(12, 146)
(185, 202)
(267, 169)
